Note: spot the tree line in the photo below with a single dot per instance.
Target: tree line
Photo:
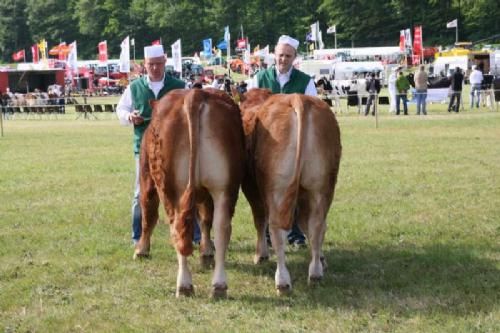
(359, 22)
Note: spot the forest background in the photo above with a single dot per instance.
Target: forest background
(359, 22)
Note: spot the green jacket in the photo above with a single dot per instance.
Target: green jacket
(142, 95)
(402, 84)
(297, 84)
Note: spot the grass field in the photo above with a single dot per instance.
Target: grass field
(413, 240)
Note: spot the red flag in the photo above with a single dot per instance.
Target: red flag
(241, 43)
(103, 51)
(156, 42)
(18, 56)
(417, 40)
(402, 40)
(34, 53)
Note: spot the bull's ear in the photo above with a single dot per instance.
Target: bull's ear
(152, 103)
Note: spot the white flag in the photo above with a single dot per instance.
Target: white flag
(125, 56)
(263, 52)
(452, 24)
(132, 42)
(72, 57)
(320, 40)
(332, 30)
(177, 56)
(314, 31)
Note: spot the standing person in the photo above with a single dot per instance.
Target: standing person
(283, 78)
(402, 86)
(134, 109)
(391, 85)
(457, 80)
(475, 79)
(421, 79)
(373, 88)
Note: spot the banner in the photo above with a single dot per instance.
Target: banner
(417, 40)
(177, 56)
(314, 31)
(241, 43)
(125, 56)
(402, 40)
(103, 51)
(42, 47)
(207, 47)
(408, 45)
(34, 53)
(452, 24)
(19, 55)
(73, 57)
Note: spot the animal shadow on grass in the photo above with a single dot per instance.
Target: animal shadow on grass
(447, 279)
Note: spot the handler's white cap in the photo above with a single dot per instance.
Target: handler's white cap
(284, 39)
(153, 51)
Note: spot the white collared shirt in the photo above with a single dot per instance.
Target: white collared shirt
(283, 79)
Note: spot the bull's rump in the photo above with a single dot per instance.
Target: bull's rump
(276, 147)
(219, 143)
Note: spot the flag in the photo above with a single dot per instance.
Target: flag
(314, 32)
(222, 45)
(309, 37)
(256, 49)
(125, 56)
(417, 40)
(103, 51)
(263, 52)
(156, 42)
(227, 35)
(132, 42)
(452, 24)
(402, 40)
(177, 56)
(34, 53)
(207, 47)
(73, 57)
(19, 55)
(332, 30)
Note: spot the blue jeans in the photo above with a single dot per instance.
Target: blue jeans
(136, 210)
(405, 103)
(421, 97)
(475, 89)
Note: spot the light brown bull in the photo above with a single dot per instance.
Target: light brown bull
(192, 157)
(293, 146)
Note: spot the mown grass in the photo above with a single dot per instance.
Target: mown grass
(412, 241)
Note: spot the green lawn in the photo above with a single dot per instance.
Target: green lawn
(413, 240)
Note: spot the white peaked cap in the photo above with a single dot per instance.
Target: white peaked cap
(284, 39)
(153, 51)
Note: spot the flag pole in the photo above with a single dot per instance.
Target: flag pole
(456, 33)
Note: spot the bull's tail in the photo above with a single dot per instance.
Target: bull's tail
(287, 207)
(184, 225)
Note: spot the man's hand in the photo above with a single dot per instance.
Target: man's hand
(135, 118)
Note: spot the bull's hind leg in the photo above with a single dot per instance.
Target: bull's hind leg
(149, 207)
(223, 209)
(206, 214)
(282, 277)
(316, 228)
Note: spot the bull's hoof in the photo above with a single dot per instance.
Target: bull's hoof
(260, 259)
(219, 291)
(314, 280)
(141, 255)
(207, 262)
(284, 290)
(184, 291)
(323, 262)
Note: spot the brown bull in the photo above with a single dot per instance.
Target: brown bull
(192, 157)
(293, 144)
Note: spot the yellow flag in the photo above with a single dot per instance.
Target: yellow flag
(42, 46)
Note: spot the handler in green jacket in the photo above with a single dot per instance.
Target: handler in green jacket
(134, 109)
(283, 78)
